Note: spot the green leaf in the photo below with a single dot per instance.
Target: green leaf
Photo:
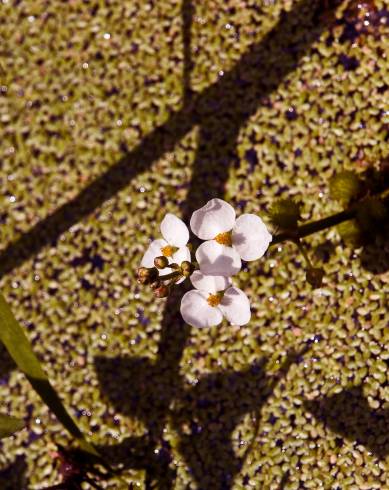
(19, 348)
(285, 214)
(345, 186)
(9, 425)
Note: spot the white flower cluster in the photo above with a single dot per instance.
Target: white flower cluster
(228, 241)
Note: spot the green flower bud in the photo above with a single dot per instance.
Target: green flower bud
(142, 272)
(161, 262)
(146, 275)
(187, 268)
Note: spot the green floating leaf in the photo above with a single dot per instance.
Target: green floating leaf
(285, 214)
(9, 425)
(315, 276)
(19, 348)
(345, 186)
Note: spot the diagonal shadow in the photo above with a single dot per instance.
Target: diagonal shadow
(225, 104)
(187, 12)
(204, 416)
(349, 414)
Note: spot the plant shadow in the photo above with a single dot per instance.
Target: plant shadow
(228, 104)
(204, 416)
(349, 414)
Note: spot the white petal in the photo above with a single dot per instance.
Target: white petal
(250, 237)
(181, 255)
(153, 251)
(165, 271)
(217, 260)
(235, 306)
(209, 284)
(217, 216)
(174, 230)
(197, 312)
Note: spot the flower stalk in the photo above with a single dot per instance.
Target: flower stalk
(314, 227)
(324, 223)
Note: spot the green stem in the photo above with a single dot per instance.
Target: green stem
(172, 275)
(322, 224)
(315, 226)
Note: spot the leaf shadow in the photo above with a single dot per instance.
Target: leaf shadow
(350, 415)
(204, 416)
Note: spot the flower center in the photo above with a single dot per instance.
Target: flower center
(224, 238)
(167, 251)
(214, 299)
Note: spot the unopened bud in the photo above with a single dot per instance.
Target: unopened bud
(146, 275)
(187, 268)
(162, 291)
(142, 272)
(161, 262)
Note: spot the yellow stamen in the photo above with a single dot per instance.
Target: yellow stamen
(167, 251)
(224, 238)
(214, 299)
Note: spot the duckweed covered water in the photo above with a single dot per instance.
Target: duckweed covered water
(113, 114)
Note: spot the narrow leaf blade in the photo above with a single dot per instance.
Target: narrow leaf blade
(14, 339)
(9, 425)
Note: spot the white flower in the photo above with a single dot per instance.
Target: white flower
(228, 239)
(206, 305)
(173, 245)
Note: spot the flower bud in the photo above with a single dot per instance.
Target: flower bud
(162, 291)
(187, 268)
(142, 272)
(146, 275)
(161, 262)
